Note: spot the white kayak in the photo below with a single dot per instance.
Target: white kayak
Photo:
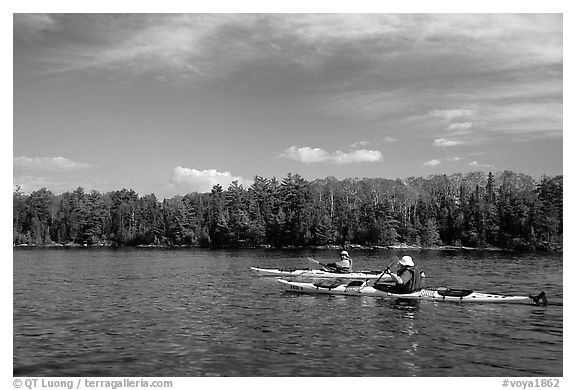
(318, 273)
(439, 294)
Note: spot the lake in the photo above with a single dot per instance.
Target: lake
(193, 312)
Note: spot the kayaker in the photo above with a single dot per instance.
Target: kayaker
(408, 278)
(342, 266)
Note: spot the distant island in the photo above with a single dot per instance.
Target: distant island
(505, 210)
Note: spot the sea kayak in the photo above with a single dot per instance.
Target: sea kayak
(437, 294)
(318, 273)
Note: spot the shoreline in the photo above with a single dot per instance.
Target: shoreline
(406, 247)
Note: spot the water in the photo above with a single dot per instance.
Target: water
(192, 312)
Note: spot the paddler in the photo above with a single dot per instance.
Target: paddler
(408, 278)
(342, 266)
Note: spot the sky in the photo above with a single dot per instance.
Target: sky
(175, 103)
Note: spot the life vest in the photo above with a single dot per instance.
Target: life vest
(344, 268)
(414, 284)
(350, 266)
(339, 266)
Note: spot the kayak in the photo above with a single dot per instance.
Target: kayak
(436, 294)
(318, 273)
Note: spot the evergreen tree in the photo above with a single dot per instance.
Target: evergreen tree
(39, 209)
(218, 219)
(505, 209)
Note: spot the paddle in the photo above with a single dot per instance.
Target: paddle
(316, 261)
(387, 268)
(321, 264)
(313, 260)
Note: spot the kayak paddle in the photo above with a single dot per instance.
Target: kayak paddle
(316, 261)
(387, 268)
(312, 260)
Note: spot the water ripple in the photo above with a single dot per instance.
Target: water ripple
(203, 313)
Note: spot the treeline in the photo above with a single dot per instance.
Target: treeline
(505, 210)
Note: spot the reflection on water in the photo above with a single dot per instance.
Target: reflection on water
(202, 313)
(409, 335)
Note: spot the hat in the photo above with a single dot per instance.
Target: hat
(406, 261)
(344, 253)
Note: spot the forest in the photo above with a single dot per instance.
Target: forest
(504, 210)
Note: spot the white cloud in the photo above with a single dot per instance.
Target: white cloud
(186, 180)
(460, 126)
(447, 142)
(478, 165)
(431, 163)
(306, 154)
(456, 125)
(49, 164)
(355, 156)
(310, 155)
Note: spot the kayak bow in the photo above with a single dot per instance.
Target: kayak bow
(439, 294)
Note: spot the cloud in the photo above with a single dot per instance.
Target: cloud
(209, 45)
(356, 156)
(529, 119)
(451, 114)
(435, 162)
(186, 180)
(431, 163)
(310, 155)
(460, 126)
(483, 71)
(476, 164)
(49, 164)
(177, 46)
(216, 44)
(33, 26)
(306, 154)
(362, 144)
(447, 142)
(455, 126)
(313, 28)
(454, 119)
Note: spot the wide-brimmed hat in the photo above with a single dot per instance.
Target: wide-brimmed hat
(344, 253)
(406, 261)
